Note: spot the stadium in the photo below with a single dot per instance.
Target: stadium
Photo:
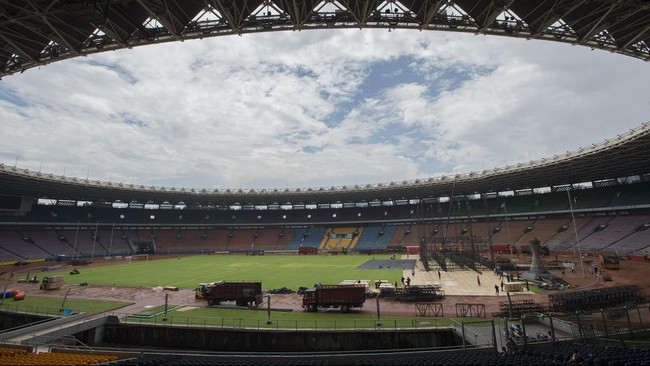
(567, 232)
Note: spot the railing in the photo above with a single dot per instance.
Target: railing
(18, 307)
(476, 333)
(283, 324)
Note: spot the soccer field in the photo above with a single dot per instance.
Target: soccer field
(274, 271)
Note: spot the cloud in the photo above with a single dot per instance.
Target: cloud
(316, 108)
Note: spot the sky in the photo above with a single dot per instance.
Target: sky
(316, 108)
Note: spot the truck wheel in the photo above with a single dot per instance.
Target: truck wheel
(311, 308)
(210, 302)
(345, 308)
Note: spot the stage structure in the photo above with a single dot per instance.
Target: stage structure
(537, 270)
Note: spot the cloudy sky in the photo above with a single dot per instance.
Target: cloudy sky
(316, 108)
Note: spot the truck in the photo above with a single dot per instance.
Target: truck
(307, 250)
(344, 297)
(242, 293)
(609, 260)
(51, 282)
(199, 291)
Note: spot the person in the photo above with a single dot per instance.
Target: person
(496, 289)
(408, 281)
(575, 358)
(402, 281)
(438, 274)
(478, 280)
(501, 286)
(511, 346)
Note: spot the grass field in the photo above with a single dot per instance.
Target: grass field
(274, 271)
(51, 305)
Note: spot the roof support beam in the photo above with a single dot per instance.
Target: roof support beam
(491, 13)
(431, 11)
(169, 25)
(18, 50)
(598, 26)
(560, 9)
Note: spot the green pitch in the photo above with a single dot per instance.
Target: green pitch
(274, 271)
(53, 305)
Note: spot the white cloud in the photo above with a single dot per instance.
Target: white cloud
(314, 108)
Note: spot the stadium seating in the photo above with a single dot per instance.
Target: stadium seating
(10, 356)
(539, 354)
(373, 238)
(607, 218)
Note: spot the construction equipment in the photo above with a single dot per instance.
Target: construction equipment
(52, 282)
(609, 260)
(344, 297)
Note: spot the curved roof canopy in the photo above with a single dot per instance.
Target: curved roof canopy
(623, 156)
(38, 32)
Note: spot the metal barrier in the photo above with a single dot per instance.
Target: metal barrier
(471, 310)
(434, 309)
(282, 324)
(31, 309)
(476, 333)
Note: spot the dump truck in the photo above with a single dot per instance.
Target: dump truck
(344, 297)
(242, 293)
(51, 282)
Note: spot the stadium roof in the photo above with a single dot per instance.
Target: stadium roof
(623, 156)
(38, 32)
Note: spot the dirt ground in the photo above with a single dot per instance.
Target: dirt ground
(631, 273)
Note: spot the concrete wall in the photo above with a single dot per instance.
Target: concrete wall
(240, 340)
(11, 320)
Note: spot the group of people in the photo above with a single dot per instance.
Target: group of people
(510, 277)
(406, 281)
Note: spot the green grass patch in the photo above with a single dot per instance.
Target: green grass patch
(332, 319)
(53, 305)
(535, 289)
(154, 311)
(274, 271)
